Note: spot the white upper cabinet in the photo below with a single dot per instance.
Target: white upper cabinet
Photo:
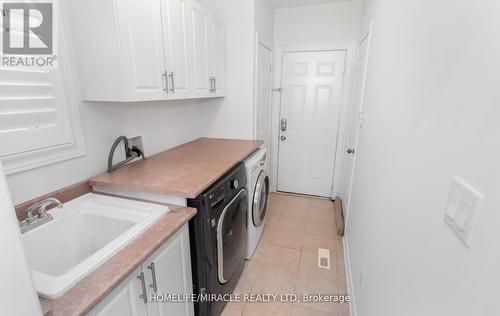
(129, 50)
(140, 31)
(208, 52)
(217, 56)
(177, 45)
(200, 21)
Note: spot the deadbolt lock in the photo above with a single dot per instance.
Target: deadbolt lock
(283, 124)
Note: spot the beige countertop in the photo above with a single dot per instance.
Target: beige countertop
(88, 292)
(185, 171)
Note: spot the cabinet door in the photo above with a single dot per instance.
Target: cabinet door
(177, 42)
(217, 57)
(140, 29)
(124, 300)
(200, 19)
(170, 267)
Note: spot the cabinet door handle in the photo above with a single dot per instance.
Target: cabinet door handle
(173, 83)
(143, 283)
(165, 77)
(215, 85)
(211, 80)
(154, 286)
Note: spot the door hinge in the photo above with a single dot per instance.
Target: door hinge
(361, 119)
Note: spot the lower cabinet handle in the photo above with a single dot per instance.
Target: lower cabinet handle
(154, 286)
(143, 283)
(215, 85)
(172, 89)
(165, 75)
(210, 79)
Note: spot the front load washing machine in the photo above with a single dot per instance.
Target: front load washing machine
(258, 198)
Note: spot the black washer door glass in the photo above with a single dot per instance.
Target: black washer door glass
(232, 236)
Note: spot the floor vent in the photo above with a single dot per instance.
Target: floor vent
(324, 258)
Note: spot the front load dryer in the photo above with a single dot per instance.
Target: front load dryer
(258, 198)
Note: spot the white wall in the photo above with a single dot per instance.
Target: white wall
(163, 124)
(17, 293)
(432, 105)
(234, 115)
(318, 24)
(264, 22)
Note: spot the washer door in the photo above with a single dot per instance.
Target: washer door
(232, 236)
(260, 199)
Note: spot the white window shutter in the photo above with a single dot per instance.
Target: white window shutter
(39, 119)
(33, 111)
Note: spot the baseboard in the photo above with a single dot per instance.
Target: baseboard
(350, 284)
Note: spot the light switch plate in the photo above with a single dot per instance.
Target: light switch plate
(462, 209)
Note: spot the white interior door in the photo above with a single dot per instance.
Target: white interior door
(310, 110)
(355, 120)
(263, 95)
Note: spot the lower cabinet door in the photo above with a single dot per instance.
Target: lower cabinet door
(168, 271)
(125, 300)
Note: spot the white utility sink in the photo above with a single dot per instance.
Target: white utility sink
(85, 233)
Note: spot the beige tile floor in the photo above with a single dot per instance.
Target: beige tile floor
(286, 259)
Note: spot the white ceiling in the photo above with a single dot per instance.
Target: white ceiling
(297, 3)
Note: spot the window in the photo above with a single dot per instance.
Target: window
(39, 121)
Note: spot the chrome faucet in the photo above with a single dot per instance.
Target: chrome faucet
(42, 217)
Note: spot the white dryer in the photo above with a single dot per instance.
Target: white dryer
(258, 198)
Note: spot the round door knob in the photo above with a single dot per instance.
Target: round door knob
(350, 151)
(283, 137)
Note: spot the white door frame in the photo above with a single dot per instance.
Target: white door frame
(349, 48)
(256, 60)
(345, 193)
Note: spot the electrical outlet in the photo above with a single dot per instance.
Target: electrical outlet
(137, 141)
(121, 155)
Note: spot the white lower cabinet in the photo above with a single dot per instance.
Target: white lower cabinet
(167, 271)
(124, 300)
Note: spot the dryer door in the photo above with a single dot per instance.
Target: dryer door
(260, 199)
(232, 236)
